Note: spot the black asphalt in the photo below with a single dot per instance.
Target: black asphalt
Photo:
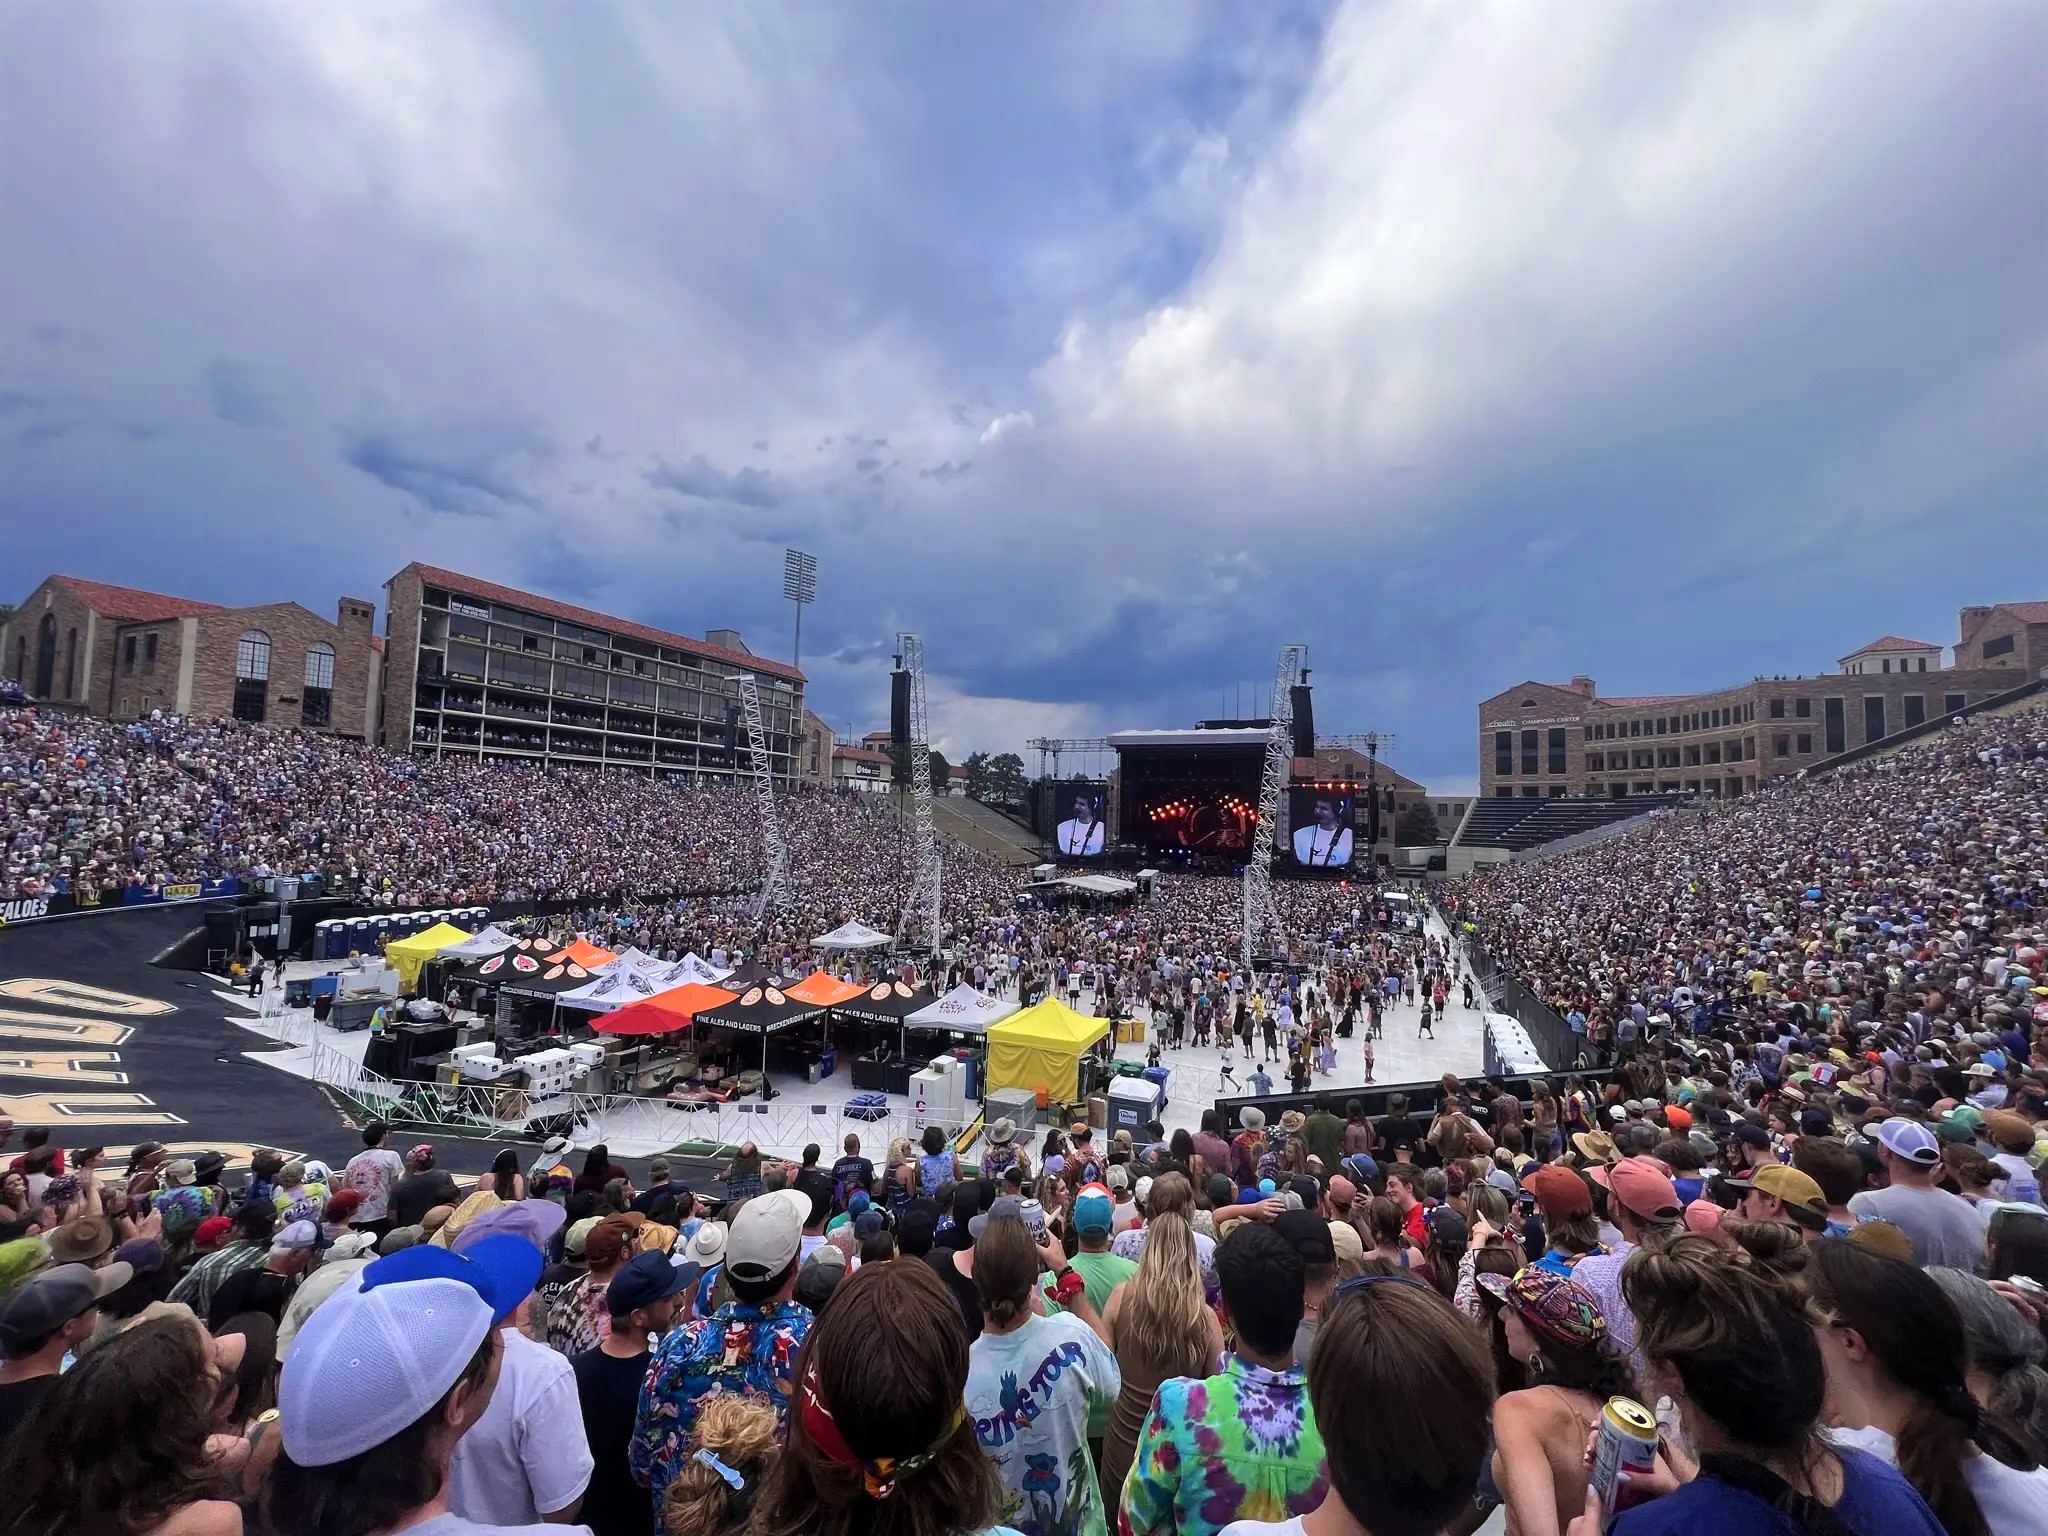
(190, 1062)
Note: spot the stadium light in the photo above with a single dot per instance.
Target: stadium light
(800, 586)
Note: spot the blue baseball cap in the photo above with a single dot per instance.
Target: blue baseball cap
(502, 1269)
(1094, 1211)
(647, 1278)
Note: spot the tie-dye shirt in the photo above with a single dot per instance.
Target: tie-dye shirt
(1242, 1445)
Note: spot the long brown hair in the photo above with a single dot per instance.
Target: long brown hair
(890, 1358)
(147, 1395)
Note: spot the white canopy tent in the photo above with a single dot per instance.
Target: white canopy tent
(855, 935)
(635, 976)
(694, 967)
(489, 942)
(963, 1009)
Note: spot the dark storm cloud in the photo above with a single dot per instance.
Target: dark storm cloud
(700, 478)
(238, 394)
(468, 467)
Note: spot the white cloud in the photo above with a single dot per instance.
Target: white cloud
(1006, 424)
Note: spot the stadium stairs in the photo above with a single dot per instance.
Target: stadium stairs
(979, 826)
(1497, 830)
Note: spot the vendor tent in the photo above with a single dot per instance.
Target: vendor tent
(1040, 1050)
(963, 1009)
(615, 986)
(407, 955)
(492, 941)
(855, 935)
(761, 1011)
(501, 966)
(580, 951)
(665, 1012)
(694, 967)
(886, 1002)
(826, 991)
(527, 977)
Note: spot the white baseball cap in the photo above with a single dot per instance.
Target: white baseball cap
(766, 1234)
(382, 1351)
(1910, 1140)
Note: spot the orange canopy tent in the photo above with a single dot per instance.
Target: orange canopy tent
(665, 1012)
(584, 953)
(825, 991)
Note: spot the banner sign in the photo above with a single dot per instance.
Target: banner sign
(36, 909)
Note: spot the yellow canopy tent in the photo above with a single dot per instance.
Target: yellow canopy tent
(408, 954)
(1040, 1049)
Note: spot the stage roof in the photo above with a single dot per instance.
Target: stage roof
(1234, 737)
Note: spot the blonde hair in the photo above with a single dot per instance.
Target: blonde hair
(739, 1431)
(1161, 1317)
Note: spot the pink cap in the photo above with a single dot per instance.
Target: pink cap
(1703, 1217)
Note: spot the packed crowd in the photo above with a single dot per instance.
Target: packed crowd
(1820, 900)
(1803, 1291)
(91, 807)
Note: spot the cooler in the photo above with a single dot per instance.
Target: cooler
(1018, 1105)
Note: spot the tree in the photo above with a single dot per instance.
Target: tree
(941, 771)
(977, 775)
(997, 781)
(1417, 827)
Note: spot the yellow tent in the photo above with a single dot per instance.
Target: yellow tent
(408, 954)
(1040, 1049)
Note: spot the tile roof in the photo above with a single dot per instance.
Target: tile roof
(2027, 613)
(532, 602)
(131, 603)
(1895, 643)
(861, 755)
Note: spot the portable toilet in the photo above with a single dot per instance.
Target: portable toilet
(1133, 1102)
(362, 936)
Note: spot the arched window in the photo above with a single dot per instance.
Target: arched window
(317, 705)
(70, 662)
(252, 674)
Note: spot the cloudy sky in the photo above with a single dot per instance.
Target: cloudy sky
(1107, 347)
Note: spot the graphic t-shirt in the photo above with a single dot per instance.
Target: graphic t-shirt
(373, 1173)
(1029, 1393)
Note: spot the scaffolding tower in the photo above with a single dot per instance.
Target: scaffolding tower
(921, 899)
(774, 852)
(1261, 916)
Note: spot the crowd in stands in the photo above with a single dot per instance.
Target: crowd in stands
(93, 806)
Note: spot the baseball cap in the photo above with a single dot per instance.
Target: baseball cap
(1910, 1140)
(868, 1223)
(1447, 1227)
(1751, 1135)
(1639, 1183)
(1008, 1205)
(645, 1279)
(1344, 1239)
(1814, 1121)
(578, 1234)
(1559, 1191)
(1118, 1177)
(766, 1234)
(1093, 1211)
(1788, 1184)
(609, 1239)
(379, 1353)
(53, 1298)
(914, 1228)
(296, 1238)
(1552, 1305)
(531, 1221)
(1308, 1235)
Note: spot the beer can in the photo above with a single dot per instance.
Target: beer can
(1628, 1443)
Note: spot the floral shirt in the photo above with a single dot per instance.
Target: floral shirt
(738, 1348)
(1239, 1446)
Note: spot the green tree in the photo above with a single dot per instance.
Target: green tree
(941, 771)
(1006, 782)
(1417, 827)
(977, 775)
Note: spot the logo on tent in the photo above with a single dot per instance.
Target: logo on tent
(525, 963)
(491, 965)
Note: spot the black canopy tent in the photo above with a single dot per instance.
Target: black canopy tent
(763, 1011)
(884, 1006)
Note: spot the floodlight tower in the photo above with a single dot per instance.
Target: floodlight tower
(800, 586)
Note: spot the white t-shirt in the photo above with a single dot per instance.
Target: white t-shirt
(2011, 1500)
(371, 1173)
(1292, 1527)
(528, 1453)
(1028, 1393)
(455, 1525)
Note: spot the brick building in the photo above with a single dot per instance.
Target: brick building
(1555, 739)
(119, 652)
(474, 669)
(863, 768)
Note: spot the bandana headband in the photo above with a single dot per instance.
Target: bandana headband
(878, 1477)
